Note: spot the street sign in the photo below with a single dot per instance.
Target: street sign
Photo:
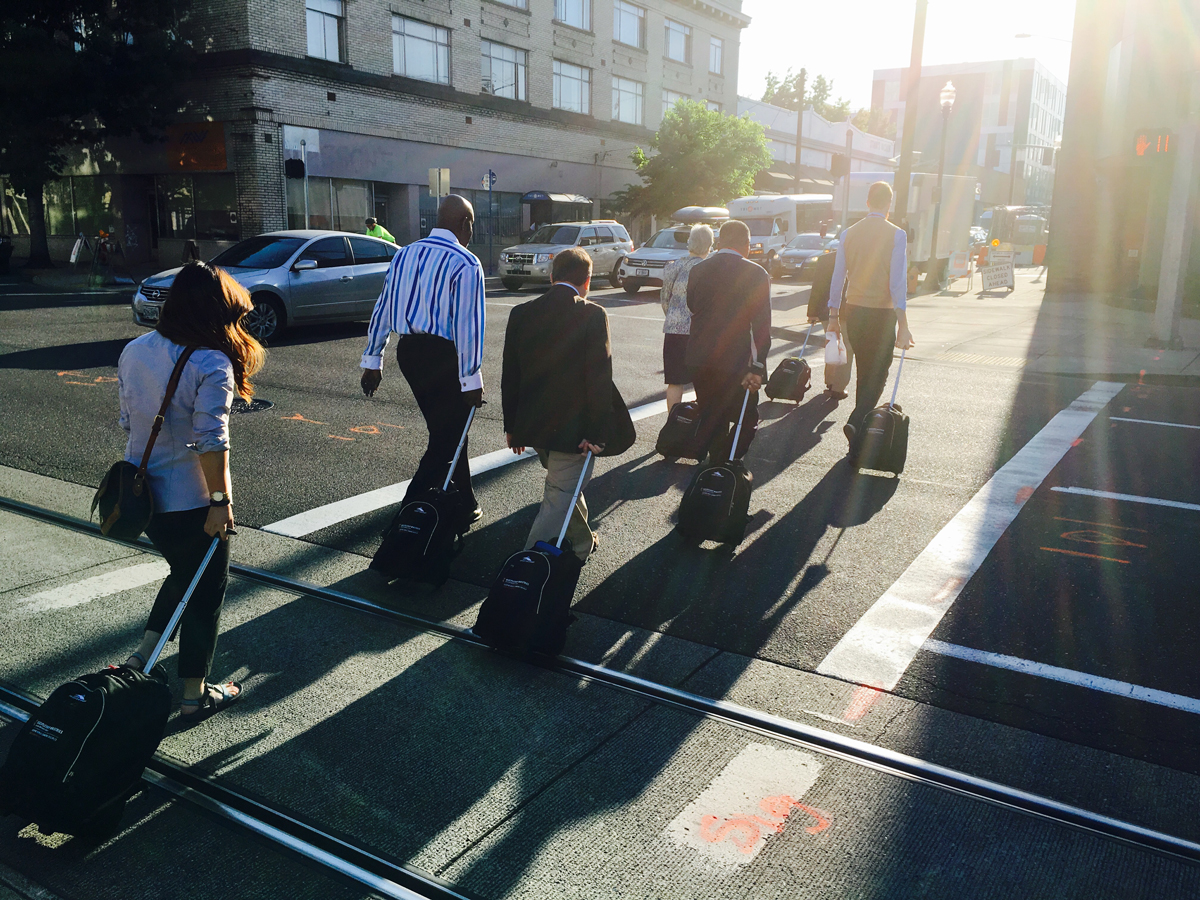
(960, 263)
(489, 180)
(999, 271)
(1151, 143)
(439, 183)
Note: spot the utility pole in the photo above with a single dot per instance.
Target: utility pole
(904, 173)
(849, 166)
(800, 130)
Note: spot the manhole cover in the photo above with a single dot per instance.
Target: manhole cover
(256, 405)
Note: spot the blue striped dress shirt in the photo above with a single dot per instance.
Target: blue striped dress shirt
(433, 286)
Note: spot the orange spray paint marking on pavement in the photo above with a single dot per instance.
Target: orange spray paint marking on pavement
(1141, 375)
(863, 699)
(338, 437)
(1076, 442)
(951, 585)
(105, 379)
(366, 429)
(745, 831)
(1024, 494)
(1101, 524)
(1099, 537)
(84, 383)
(1088, 555)
(299, 418)
(76, 374)
(386, 425)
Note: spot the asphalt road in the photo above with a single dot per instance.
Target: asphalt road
(825, 542)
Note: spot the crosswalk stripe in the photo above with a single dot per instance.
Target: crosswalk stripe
(94, 588)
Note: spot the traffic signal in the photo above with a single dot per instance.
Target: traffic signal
(1150, 143)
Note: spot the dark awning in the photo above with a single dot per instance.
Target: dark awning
(534, 196)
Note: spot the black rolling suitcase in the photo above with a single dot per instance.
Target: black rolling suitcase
(78, 759)
(424, 536)
(884, 444)
(792, 377)
(679, 435)
(528, 608)
(716, 505)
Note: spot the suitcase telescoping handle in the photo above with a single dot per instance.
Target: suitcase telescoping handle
(178, 614)
(896, 386)
(737, 432)
(458, 452)
(562, 535)
(807, 335)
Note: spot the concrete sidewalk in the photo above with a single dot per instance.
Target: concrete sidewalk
(1062, 335)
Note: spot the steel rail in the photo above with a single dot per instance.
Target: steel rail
(341, 856)
(829, 743)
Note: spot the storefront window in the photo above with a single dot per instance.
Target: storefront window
(351, 204)
(295, 203)
(176, 213)
(216, 207)
(60, 218)
(14, 216)
(95, 206)
(319, 203)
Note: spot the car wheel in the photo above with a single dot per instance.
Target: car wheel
(266, 320)
(614, 277)
(630, 286)
(512, 284)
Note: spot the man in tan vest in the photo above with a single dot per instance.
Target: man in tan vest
(872, 263)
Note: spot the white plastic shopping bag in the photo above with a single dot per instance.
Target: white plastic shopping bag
(835, 350)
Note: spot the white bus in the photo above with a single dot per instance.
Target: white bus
(774, 219)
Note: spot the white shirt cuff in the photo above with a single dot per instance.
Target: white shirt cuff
(472, 382)
(372, 362)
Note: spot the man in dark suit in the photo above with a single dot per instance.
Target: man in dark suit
(557, 392)
(730, 300)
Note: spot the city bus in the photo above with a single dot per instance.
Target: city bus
(774, 219)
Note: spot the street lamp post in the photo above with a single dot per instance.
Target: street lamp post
(947, 97)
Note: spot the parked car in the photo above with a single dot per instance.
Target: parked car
(801, 248)
(293, 277)
(644, 267)
(605, 240)
(808, 268)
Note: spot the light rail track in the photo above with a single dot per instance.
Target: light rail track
(910, 768)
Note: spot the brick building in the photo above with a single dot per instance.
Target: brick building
(551, 95)
(1006, 114)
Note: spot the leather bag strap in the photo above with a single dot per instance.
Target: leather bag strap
(172, 384)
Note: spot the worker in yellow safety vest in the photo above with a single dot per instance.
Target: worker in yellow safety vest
(375, 230)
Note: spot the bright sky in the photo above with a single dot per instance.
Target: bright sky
(848, 40)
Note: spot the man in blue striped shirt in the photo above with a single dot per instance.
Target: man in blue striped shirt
(433, 299)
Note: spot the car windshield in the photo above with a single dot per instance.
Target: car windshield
(554, 234)
(760, 227)
(262, 252)
(670, 239)
(807, 242)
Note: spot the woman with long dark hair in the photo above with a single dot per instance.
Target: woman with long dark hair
(189, 466)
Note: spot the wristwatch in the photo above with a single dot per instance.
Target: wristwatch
(218, 498)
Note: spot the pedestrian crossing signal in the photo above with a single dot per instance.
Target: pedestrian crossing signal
(1150, 142)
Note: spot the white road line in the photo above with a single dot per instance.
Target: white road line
(94, 588)
(1152, 422)
(884, 642)
(1128, 498)
(361, 504)
(1067, 676)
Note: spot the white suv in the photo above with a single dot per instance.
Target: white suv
(605, 240)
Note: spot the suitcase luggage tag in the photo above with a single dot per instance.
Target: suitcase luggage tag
(557, 549)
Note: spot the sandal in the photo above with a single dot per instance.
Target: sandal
(215, 698)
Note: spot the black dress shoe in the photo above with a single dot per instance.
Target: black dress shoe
(470, 517)
(836, 395)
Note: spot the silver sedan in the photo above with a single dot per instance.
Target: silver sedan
(294, 277)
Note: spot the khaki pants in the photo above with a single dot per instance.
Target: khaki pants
(837, 378)
(562, 474)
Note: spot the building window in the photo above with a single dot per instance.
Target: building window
(577, 13)
(572, 87)
(326, 27)
(420, 50)
(670, 98)
(629, 24)
(519, 4)
(627, 100)
(713, 106)
(678, 42)
(716, 56)
(503, 71)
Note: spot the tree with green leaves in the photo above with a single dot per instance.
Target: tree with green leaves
(76, 72)
(701, 158)
(785, 92)
(873, 121)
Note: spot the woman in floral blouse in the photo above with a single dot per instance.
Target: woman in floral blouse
(679, 319)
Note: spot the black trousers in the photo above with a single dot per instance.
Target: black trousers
(430, 365)
(180, 538)
(872, 334)
(720, 395)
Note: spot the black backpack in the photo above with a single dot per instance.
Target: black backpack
(716, 505)
(528, 608)
(80, 756)
(792, 377)
(883, 444)
(679, 436)
(426, 533)
(422, 540)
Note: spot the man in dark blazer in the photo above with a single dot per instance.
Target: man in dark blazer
(557, 392)
(730, 300)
